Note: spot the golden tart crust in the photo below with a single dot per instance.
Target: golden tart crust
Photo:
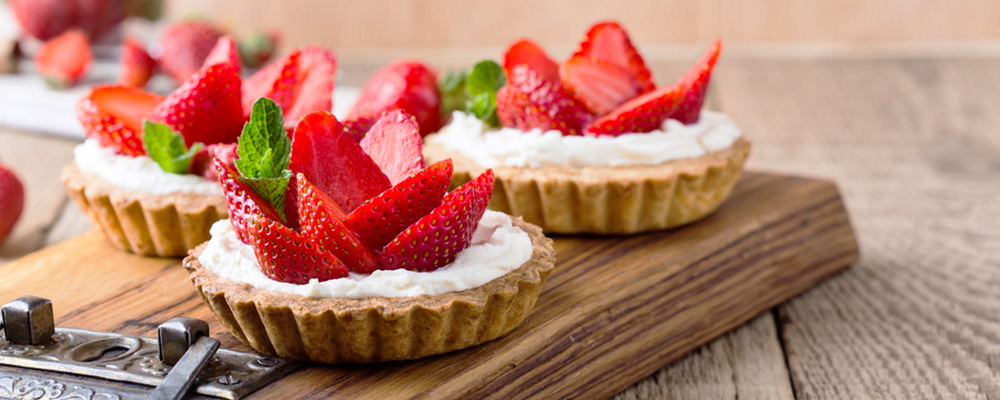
(608, 200)
(337, 330)
(146, 224)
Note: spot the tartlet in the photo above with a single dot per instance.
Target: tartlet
(335, 331)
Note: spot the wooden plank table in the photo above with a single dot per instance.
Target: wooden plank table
(914, 144)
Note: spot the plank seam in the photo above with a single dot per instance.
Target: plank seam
(779, 325)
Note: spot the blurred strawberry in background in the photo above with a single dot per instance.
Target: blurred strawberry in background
(46, 19)
(136, 65)
(64, 59)
(186, 45)
(258, 48)
(407, 85)
(11, 201)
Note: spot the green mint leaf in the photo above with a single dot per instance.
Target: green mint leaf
(264, 133)
(452, 88)
(167, 148)
(271, 189)
(482, 85)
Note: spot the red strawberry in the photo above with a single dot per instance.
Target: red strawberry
(608, 42)
(223, 52)
(394, 145)
(322, 221)
(694, 84)
(259, 47)
(286, 256)
(359, 127)
(113, 115)
(207, 107)
(136, 64)
(64, 59)
(598, 85)
(529, 53)
(642, 114)
(433, 241)
(528, 102)
(11, 201)
(382, 218)
(405, 84)
(46, 19)
(243, 204)
(277, 81)
(203, 163)
(186, 46)
(333, 161)
(317, 74)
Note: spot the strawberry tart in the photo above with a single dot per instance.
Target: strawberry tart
(145, 175)
(345, 251)
(593, 145)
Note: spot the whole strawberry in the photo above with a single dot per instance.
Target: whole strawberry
(186, 45)
(408, 85)
(63, 60)
(258, 48)
(136, 65)
(11, 201)
(46, 19)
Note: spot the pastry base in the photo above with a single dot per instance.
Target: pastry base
(608, 200)
(142, 223)
(338, 331)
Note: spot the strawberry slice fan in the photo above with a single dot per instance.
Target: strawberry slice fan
(321, 204)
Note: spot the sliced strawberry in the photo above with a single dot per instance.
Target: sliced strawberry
(316, 77)
(598, 85)
(359, 127)
(642, 114)
(529, 102)
(394, 145)
(436, 239)
(64, 59)
(223, 52)
(322, 221)
(333, 161)
(206, 108)
(203, 163)
(286, 256)
(277, 81)
(405, 84)
(241, 201)
(608, 41)
(529, 53)
(113, 115)
(136, 65)
(694, 85)
(382, 218)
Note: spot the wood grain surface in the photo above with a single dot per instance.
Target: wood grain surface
(624, 304)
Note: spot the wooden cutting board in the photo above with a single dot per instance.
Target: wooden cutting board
(615, 310)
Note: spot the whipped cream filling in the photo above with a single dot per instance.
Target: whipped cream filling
(511, 147)
(138, 173)
(497, 248)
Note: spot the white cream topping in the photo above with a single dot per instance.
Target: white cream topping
(489, 148)
(138, 173)
(497, 248)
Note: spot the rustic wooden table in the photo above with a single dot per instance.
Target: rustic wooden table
(913, 142)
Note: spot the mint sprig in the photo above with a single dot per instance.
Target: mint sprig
(452, 88)
(482, 84)
(264, 152)
(167, 148)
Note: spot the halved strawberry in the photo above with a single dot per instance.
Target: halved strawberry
(528, 102)
(322, 221)
(136, 65)
(404, 84)
(641, 114)
(598, 85)
(529, 53)
(333, 161)
(359, 127)
(394, 145)
(608, 41)
(382, 218)
(64, 59)
(694, 84)
(317, 75)
(113, 115)
(277, 81)
(436, 239)
(207, 107)
(243, 204)
(223, 52)
(286, 256)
